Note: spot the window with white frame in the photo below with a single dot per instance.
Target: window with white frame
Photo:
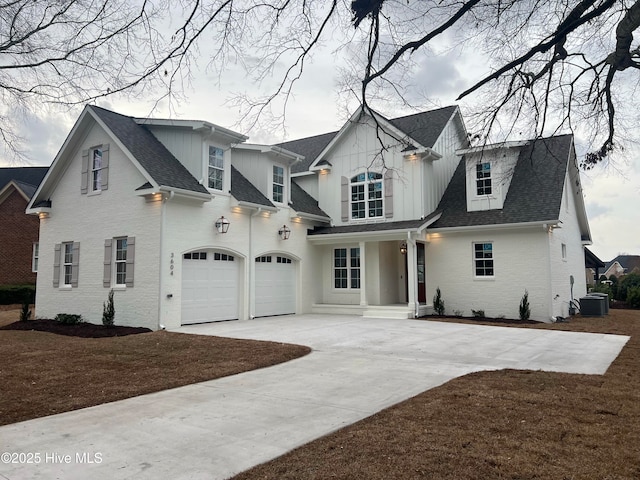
(483, 178)
(35, 256)
(120, 261)
(119, 256)
(96, 169)
(278, 184)
(346, 268)
(366, 195)
(67, 263)
(216, 168)
(483, 259)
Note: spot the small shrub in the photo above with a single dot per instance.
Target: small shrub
(438, 303)
(458, 313)
(69, 318)
(25, 312)
(525, 309)
(478, 313)
(108, 311)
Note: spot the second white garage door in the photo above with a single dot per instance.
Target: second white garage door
(209, 287)
(275, 285)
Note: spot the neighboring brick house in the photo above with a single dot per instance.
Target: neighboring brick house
(19, 231)
(622, 265)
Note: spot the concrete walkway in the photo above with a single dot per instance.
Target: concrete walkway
(215, 429)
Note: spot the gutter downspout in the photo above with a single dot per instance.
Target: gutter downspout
(252, 267)
(161, 269)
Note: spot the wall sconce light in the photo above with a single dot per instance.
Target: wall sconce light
(222, 225)
(284, 232)
(403, 248)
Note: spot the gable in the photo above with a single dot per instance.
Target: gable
(534, 195)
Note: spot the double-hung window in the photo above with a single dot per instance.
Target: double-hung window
(346, 268)
(483, 178)
(366, 196)
(65, 264)
(96, 169)
(278, 184)
(119, 256)
(483, 259)
(216, 168)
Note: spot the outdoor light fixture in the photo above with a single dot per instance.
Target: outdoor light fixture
(403, 248)
(222, 225)
(284, 232)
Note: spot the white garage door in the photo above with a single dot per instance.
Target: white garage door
(209, 287)
(275, 286)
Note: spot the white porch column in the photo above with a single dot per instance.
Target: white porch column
(363, 275)
(412, 273)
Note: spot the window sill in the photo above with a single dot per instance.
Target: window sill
(119, 288)
(93, 193)
(484, 279)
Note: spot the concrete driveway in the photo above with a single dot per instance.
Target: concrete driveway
(215, 429)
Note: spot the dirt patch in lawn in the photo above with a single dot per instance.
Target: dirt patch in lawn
(494, 425)
(45, 373)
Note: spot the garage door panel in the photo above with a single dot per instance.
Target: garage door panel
(209, 288)
(275, 286)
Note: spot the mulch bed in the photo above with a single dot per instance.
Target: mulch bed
(84, 330)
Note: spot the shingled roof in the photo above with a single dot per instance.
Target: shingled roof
(153, 156)
(535, 193)
(24, 177)
(244, 191)
(302, 202)
(424, 128)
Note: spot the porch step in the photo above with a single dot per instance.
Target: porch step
(383, 311)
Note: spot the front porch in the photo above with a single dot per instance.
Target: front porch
(400, 311)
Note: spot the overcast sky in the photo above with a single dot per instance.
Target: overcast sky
(612, 194)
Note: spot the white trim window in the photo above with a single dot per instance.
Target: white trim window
(35, 257)
(96, 169)
(67, 263)
(119, 259)
(216, 168)
(483, 179)
(367, 196)
(346, 268)
(483, 259)
(278, 184)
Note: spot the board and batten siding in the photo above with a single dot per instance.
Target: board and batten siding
(185, 144)
(90, 219)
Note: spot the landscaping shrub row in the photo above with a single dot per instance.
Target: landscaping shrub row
(17, 294)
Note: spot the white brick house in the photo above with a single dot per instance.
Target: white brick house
(368, 220)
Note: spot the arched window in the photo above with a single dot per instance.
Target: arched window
(366, 195)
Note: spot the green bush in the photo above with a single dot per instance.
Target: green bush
(69, 318)
(108, 311)
(627, 283)
(478, 313)
(17, 294)
(633, 297)
(438, 303)
(525, 309)
(25, 312)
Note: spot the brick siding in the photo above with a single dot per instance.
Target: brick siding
(18, 232)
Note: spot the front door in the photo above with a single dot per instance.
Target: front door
(422, 291)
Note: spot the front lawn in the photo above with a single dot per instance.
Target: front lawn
(494, 425)
(44, 373)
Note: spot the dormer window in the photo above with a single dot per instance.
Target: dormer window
(483, 178)
(216, 168)
(278, 184)
(366, 196)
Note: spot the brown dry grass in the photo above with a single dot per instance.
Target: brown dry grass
(494, 425)
(43, 374)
